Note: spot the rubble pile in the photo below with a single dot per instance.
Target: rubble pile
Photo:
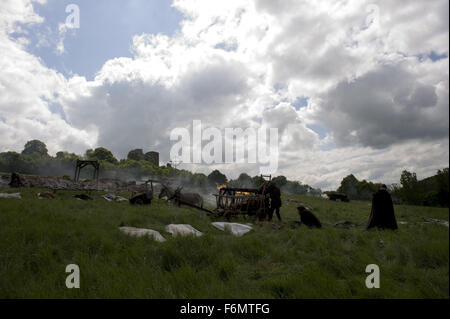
(67, 183)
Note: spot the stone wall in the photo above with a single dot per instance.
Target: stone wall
(66, 182)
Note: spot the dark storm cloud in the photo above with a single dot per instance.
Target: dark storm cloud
(384, 107)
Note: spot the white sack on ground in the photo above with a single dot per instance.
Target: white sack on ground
(112, 197)
(437, 221)
(13, 195)
(139, 232)
(235, 228)
(182, 229)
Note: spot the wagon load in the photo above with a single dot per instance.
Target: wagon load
(241, 201)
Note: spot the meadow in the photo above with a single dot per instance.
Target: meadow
(39, 238)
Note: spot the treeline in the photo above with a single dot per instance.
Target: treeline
(35, 160)
(357, 190)
(431, 191)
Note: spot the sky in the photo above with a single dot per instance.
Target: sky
(354, 87)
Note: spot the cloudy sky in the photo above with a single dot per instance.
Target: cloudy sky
(353, 86)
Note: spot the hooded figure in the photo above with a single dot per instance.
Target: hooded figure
(382, 214)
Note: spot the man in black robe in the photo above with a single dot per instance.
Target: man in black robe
(382, 214)
(275, 202)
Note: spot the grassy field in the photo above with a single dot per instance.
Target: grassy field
(40, 237)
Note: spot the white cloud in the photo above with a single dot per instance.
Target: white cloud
(362, 65)
(386, 106)
(14, 13)
(62, 30)
(28, 90)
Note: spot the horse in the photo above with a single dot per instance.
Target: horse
(194, 199)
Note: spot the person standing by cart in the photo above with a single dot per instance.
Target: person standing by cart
(275, 201)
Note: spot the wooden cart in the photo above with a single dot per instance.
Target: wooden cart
(241, 201)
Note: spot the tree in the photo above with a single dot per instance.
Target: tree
(443, 187)
(199, 179)
(349, 186)
(280, 180)
(89, 154)
(410, 192)
(60, 155)
(137, 154)
(9, 162)
(152, 157)
(101, 154)
(408, 180)
(258, 181)
(244, 180)
(366, 189)
(67, 156)
(35, 146)
(294, 187)
(217, 177)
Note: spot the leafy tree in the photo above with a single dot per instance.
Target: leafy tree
(349, 186)
(217, 177)
(67, 156)
(396, 192)
(366, 189)
(408, 180)
(152, 157)
(89, 154)
(443, 187)
(199, 180)
(410, 192)
(101, 154)
(35, 146)
(244, 180)
(137, 154)
(10, 162)
(258, 181)
(355, 189)
(294, 187)
(280, 180)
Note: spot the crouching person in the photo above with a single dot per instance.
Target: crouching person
(308, 218)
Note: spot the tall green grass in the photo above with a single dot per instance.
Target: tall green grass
(38, 238)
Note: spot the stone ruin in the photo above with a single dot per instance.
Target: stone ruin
(67, 183)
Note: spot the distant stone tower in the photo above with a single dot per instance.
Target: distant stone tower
(152, 157)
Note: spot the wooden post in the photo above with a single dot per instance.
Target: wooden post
(81, 163)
